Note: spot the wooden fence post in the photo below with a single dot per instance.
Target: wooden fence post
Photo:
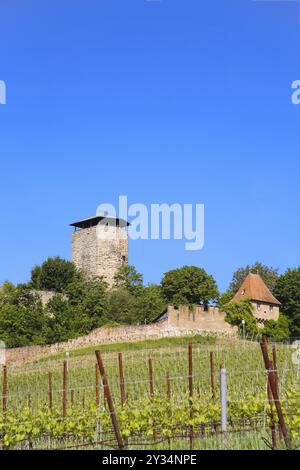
(50, 391)
(4, 390)
(212, 375)
(274, 389)
(122, 381)
(72, 397)
(65, 386)
(109, 400)
(151, 377)
(272, 418)
(168, 387)
(97, 379)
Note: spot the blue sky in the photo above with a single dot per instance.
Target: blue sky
(183, 101)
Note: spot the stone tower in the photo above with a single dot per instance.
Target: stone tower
(266, 306)
(100, 246)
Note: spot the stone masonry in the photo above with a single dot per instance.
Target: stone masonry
(100, 250)
(211, 319)
(205, 326)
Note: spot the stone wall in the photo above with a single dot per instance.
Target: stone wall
(99, 251)
(264, 311)
(46, 295)
(114, 335)
(211, 319)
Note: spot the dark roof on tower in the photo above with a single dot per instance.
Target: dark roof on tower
(100, 219)
(254, 288)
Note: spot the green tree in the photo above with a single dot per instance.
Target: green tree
(188, 286)
(122, 307)
(269, 276)
(224, 298)
(55, 274)
(22, 316)
(60, 318)
(95, 304)
(287, 290)
(277, 330)
(128, 278)
(149, 304)
(237, 312)
(141, 307)
(88, 301)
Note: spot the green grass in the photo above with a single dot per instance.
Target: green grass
(135, 346)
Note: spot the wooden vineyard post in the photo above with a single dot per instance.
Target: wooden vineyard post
(50, 391)
(274, 354)
(72, 397)
(191, 392)
(65, 387)
(151, 385)
(168, 387)
(122, 381)
(122, 388)
(223, 390)
(212, 375)
(151, 389)
(4, 390)
(272, 418)
(109, 400)
(272, 380)
(97, 385)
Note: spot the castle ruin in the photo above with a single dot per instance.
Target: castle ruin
(100, 246)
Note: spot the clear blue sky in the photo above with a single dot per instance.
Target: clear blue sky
(174, 101)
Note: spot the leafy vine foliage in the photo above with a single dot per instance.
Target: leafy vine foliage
(136, 419)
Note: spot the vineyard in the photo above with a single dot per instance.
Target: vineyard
(165, 396)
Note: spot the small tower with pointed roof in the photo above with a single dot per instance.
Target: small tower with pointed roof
(100, 246)
(266, 306)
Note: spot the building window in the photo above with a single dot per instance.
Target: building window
(271, 308)
(258, 307)
(243, 292)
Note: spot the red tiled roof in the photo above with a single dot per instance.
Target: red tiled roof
(254, 288)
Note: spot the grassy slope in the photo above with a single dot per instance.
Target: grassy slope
(135, 346)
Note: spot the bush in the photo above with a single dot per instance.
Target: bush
(236, 312)
(277, 330)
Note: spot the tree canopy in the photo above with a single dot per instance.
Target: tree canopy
(287, 291)
(55, 274)
(128, 278)
(189, 285)
(239, 312)
(268, 274)
(81, 305)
